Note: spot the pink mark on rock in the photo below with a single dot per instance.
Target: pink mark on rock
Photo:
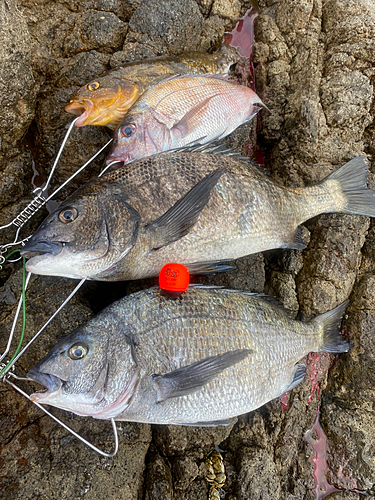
(285, 401)
(254, 152)
(317, 366)
(345, 333)
(322, 487)
(242, 35)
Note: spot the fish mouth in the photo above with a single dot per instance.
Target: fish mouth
(117, 159)
(80, 108)
(40, 248)
(50, 382)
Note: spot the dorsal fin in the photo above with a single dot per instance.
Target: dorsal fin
(268, 298)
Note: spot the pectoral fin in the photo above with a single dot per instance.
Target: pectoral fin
(189, 379)
(180, 218)
(188, 121)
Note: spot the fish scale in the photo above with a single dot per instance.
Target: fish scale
(164, 209)
(147, 336)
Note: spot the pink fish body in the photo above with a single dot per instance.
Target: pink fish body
(182, 111)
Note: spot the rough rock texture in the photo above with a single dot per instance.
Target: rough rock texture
(314, 68)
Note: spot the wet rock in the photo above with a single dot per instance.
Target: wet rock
(78, 70)
(12, 186)
(159, 478)
(165, 23)
(17, 86)
(258, 477)
(115, 6)
(185, 470)
(95, 30)
(331, 262)
(228, 10)
(172, 27)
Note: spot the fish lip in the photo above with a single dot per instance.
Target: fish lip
(112, 158)
(34, 248)
(81, 108)
(49, 381)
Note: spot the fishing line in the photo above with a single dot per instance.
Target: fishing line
(9, 365)
(21, 302)
(107, 167)
(93, 447)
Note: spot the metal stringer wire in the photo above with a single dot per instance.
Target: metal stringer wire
(5, 374)
(41, 198)
(87, 443)
(26, 214)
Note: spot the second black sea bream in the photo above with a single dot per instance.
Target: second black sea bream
(191, 208)
(201, 359)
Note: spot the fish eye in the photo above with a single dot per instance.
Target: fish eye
(78, 351)
(68, 215)
(128, 130)
(93, 86)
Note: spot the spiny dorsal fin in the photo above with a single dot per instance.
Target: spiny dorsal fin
(268, 298)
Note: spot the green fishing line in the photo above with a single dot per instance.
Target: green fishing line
(23, 309)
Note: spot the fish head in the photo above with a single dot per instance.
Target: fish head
(140, 134)
(85, 235)
(227, 55)
(88, 372)
(103, 101)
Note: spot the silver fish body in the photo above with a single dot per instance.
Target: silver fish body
(199, 360)
(191, 208)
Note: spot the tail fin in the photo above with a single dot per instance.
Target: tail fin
(352, 177)
(332, 340)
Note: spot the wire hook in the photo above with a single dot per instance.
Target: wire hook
(87, 443)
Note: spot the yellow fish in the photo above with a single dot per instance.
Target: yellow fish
(105, 100)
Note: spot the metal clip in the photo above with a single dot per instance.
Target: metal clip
(41, 198)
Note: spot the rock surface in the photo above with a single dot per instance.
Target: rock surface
(314, 68)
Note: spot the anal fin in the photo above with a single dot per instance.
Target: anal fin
(213, 423)
(298, 375)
